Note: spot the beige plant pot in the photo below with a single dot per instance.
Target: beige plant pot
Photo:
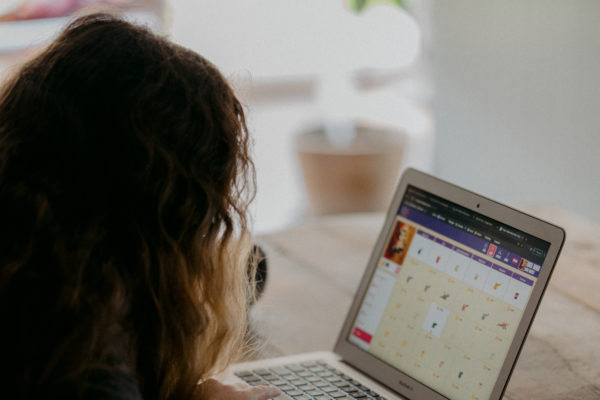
(355, 178)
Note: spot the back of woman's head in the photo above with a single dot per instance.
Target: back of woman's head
(123, 171)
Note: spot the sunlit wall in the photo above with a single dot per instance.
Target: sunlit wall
(518, 100)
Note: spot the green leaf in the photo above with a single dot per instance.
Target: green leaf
(359, 5)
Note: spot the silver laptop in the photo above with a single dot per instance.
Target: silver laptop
(442, 310)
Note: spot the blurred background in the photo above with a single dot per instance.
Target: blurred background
(342, 95)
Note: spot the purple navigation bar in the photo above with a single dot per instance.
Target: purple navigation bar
(478, 244)
(443, 243)
(502, 270)
(426, 235)
(483, 261)
(521, 278)
(459, 250)
(477, 258)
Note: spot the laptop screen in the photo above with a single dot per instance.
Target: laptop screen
(447, 295)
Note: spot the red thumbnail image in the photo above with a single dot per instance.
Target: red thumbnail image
(399, 242)
(522, 264)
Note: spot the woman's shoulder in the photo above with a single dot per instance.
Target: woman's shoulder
(111, 384)
(101, 384)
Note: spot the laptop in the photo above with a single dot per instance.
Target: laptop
(442, 310)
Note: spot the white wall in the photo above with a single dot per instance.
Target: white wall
(518, 99)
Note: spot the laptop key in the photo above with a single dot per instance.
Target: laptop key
(320, 383)
(337, 394)
(308, 364)
(305, 386)
(279, 370)
(286, 387)
(328, 389)
(283, 396)
(295, 368)
(241, 374)
(261, 371)
(313, 392)
(293, 393)
(297, 381)
(302, 397)
(325, 374)
(312, 378)
(358, 395)
(259, 382)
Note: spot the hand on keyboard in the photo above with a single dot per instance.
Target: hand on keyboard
(215, 390)
(310, 381)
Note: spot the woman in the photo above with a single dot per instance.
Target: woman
(124, 183)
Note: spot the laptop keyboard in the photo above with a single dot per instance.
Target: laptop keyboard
(309, 380)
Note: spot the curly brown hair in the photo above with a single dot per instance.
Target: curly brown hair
(124, 184)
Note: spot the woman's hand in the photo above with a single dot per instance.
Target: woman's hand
(212, 389)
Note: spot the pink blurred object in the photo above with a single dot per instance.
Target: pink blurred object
(34, 9)
(112, 3)
(119, 3)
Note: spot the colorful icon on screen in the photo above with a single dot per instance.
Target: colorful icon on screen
(523, 264)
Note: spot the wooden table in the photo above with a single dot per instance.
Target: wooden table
(314, 269)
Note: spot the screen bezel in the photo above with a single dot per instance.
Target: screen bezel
(387, 374)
